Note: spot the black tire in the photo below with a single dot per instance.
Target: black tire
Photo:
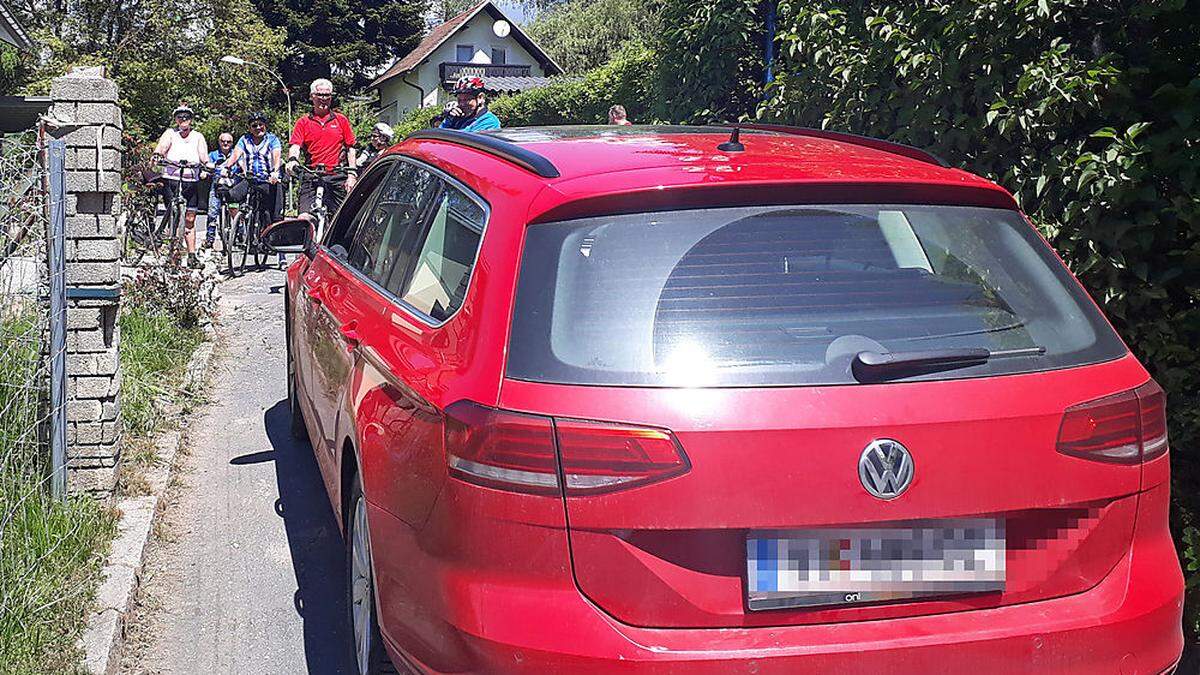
(225, 231)
(375, 660)
(138, 236)
(260, 251)
(242, 235)
(167, 234)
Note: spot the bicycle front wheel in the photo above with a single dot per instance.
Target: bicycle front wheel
(225, 228)
(260, 251)
(244, 229)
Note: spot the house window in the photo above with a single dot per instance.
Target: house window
(464, 53)
(499, 56)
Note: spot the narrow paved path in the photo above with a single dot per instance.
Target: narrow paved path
(246, 575)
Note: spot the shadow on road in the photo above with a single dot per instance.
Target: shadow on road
(315, 543)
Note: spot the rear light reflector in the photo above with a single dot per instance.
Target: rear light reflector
(517, 452)
(1125, 428)
(599, 457)
(1153, 404)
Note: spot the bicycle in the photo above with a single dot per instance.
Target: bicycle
(241, 237)
(171, 225)
(319, 211)
(139, 224)
(226, 222)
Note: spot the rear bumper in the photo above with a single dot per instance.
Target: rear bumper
(1129, 623)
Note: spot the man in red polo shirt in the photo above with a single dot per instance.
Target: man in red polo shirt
(326, 138)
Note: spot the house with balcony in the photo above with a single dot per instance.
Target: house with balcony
(481, 41)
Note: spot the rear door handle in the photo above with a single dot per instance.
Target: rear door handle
(349, 331)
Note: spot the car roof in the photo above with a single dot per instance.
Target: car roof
(578, 151)
(589, 170)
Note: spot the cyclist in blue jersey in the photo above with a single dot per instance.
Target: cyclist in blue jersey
(258, 156)
(468, 112)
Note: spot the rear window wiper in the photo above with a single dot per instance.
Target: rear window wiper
(869, 366)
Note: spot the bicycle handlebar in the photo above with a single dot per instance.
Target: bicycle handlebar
(322, 170)
(181, 164)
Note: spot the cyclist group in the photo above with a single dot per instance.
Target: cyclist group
(255, 161)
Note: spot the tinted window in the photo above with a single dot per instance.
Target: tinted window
(434, 280)
(789, 295)
(464, 53)
(354, 210)
(390, 232)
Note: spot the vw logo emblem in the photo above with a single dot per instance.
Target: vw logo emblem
(885, 468)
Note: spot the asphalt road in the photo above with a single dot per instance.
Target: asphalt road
(246, 575)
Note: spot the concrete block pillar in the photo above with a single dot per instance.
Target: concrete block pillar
(86, 102)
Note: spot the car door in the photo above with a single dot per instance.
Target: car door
(325, 304)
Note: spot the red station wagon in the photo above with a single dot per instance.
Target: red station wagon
(676, 399)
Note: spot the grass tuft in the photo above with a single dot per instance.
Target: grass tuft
(49, 550)
(155, 350)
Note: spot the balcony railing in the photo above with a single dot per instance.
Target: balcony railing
(450, 71)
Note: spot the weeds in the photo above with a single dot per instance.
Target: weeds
(155, 349)
(49, 549)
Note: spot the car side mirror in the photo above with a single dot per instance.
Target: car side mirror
(291, 235)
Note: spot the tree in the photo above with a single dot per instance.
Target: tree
(585, 34)
(159, 54)
(343, 40)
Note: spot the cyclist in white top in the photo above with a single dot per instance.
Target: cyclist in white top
(178, 144)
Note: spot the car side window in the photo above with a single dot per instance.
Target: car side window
(393, 224)
(434, 280)
(354, 212)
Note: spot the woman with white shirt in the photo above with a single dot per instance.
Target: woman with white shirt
(184, 144)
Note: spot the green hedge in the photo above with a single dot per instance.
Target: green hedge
(628, 80)
(1087, 112)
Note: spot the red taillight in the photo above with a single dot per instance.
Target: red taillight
(599, 457)
(501, 449)
(516, 451)
(1126, 428)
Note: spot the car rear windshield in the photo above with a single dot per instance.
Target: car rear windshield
(792, 295)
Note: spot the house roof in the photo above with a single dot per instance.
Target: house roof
(11, 31)
(438, 36)
(516, 83)
(20, 113)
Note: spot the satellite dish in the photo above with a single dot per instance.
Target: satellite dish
(501, 28)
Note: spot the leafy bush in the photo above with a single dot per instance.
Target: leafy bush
(170, 289)
(709, 59)
(417, 118)
(628, 80)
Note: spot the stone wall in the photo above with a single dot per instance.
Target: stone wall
(86, 104)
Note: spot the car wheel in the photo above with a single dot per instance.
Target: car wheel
(360, 588)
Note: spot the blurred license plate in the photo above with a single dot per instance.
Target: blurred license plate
(807, 568)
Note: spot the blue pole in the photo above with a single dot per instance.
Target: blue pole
(57, 153)
(769, 76)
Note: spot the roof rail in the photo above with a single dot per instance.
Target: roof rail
(511, 152)
(845, 137)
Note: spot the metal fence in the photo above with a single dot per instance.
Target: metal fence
(32, 411)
